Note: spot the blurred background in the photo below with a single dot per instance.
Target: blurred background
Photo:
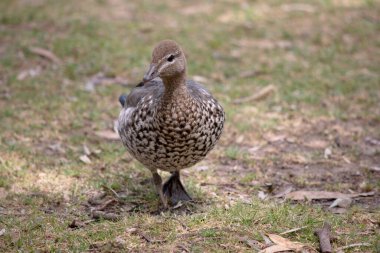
(299, 81)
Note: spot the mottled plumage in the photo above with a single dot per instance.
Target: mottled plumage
(170, 123)
(170, 135)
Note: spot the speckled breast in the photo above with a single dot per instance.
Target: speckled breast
(172, 136)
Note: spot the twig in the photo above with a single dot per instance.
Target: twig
(292, 230)
(257, 96)
(354, 245)
(183, 248)
(106, 204)
(149, 240)
(103, 215)
(111, 190)
(324, 238)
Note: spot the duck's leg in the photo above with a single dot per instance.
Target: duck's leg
(158, 184)
(174, 190)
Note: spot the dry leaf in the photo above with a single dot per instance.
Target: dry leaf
(86, 150)
(2, 231)
(341, 202)
(274, 249)
(29, 73)
(279, 240)
(252, 243)
(46, 54)
(85, 159)
(310, 195)
(262, 195)
(283, 192)
(327, 153)
(375, 168)
(107, 134)
(283, 244)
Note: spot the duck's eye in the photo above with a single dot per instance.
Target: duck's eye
(170, 58)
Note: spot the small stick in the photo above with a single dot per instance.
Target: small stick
(264, 92)
(112, 191)
(324, 235)
(106, 204)
(292, 230)
(355, 245)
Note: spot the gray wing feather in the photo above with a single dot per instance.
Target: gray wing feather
(153, 87)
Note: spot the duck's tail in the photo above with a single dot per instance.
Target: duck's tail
(123, 99)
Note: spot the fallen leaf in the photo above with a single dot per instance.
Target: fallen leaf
(33, 72)
(375, 168)
(327, 153)
(285, 242)
(310, 195)
(2, 231)
(283, 192)
(85, 159)
(267, 241)
(46, 54)
(252, 243)
(274, 249)
(372, 141)
(341, 202)
(131, 231)
(57, 147)
(262, 195)
(107, 134)
(86, 150)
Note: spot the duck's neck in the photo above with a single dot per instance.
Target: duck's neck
(175, 88)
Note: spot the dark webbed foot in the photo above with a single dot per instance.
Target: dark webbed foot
(174, 191)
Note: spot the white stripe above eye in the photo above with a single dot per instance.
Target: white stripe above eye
(166, 63)
(176, 53)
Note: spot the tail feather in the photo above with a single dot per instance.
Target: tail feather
(123, 99)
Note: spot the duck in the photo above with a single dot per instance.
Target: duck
(168, 122)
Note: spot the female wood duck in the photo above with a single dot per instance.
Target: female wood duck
(168, 122)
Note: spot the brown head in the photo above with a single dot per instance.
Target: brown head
(168, 60)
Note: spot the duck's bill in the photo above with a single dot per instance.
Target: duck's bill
(151, 73)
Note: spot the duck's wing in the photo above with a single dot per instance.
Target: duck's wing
(154, 87)
(199, 92)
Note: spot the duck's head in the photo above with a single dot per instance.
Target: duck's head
(168, 60)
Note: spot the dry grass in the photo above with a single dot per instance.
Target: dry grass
(322, 59)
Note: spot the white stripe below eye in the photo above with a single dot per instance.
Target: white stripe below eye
(164, 65)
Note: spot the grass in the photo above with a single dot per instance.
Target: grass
(323, 62)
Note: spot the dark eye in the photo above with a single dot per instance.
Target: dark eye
(170, 58)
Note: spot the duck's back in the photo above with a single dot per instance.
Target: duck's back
(170, 136)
